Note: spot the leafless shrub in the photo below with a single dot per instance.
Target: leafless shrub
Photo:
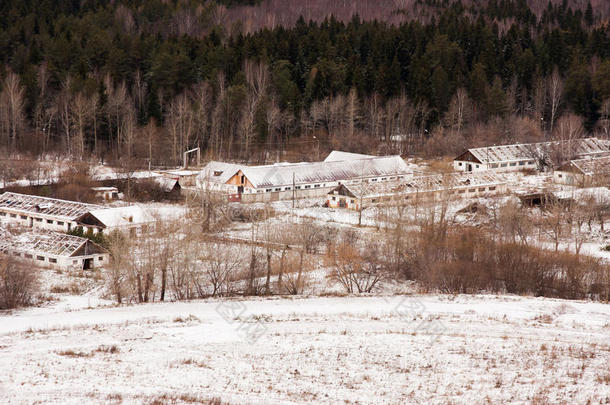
(467, 260)
(18, 283)
(356, 271)
(295, 279)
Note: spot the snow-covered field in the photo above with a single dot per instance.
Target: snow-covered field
(395, 349)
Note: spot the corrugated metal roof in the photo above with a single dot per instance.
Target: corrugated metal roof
(524, 151)
(218, 172)
(337, 156)
(281, 174)
(320, 172)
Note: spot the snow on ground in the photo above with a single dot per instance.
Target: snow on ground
(400, 349)
(165, 211)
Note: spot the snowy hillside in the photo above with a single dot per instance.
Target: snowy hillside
(398, 349)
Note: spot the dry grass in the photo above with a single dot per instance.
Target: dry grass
(184, 399)
(190, 362)
(112, 349)
(189, 318)
(72, 288)
(72, 353)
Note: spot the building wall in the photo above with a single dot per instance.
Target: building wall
(567, 178)
(455, 193)
(285, 192)
(462, 166)
(62, 262)
(270, 196)
(47, 222)
(107, 195)
(343, 201)
(236, 180)
(187, 180)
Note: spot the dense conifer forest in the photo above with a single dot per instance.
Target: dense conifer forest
(146, 80)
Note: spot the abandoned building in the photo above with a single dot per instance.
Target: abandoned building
(106, 193)
(55, 250)
(584, 172)
(131, 219)
(169, 186)
(528, 155)
(282, 181)
(184, 177)
(420, 188)
(53, 214)
(41, 212)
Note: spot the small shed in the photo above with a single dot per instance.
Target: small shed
(169, 185)
(107, 193)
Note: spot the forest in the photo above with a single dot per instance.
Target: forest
(145, 80)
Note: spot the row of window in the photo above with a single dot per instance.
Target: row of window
(29, 256)
(42, 258)
(454, 192)
(309, 186)
(25, 218)
(511, 164)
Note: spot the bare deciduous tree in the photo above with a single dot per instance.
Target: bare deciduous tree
(11, 110)
(355, 271)
(555, 90)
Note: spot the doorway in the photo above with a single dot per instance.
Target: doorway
(87, 264)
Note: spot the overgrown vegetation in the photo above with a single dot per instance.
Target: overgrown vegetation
(466, 260)
(97, 237)
(18, 283)
(515, 249)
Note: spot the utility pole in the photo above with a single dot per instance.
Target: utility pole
(293, 190)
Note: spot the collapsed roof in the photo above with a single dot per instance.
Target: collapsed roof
(69, 210)
(589, 166)
(526, 151)
(49, 243)
(423, 184)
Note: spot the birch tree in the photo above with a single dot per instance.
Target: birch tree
(555, 94)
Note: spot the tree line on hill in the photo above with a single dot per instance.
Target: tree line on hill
(146, 80)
